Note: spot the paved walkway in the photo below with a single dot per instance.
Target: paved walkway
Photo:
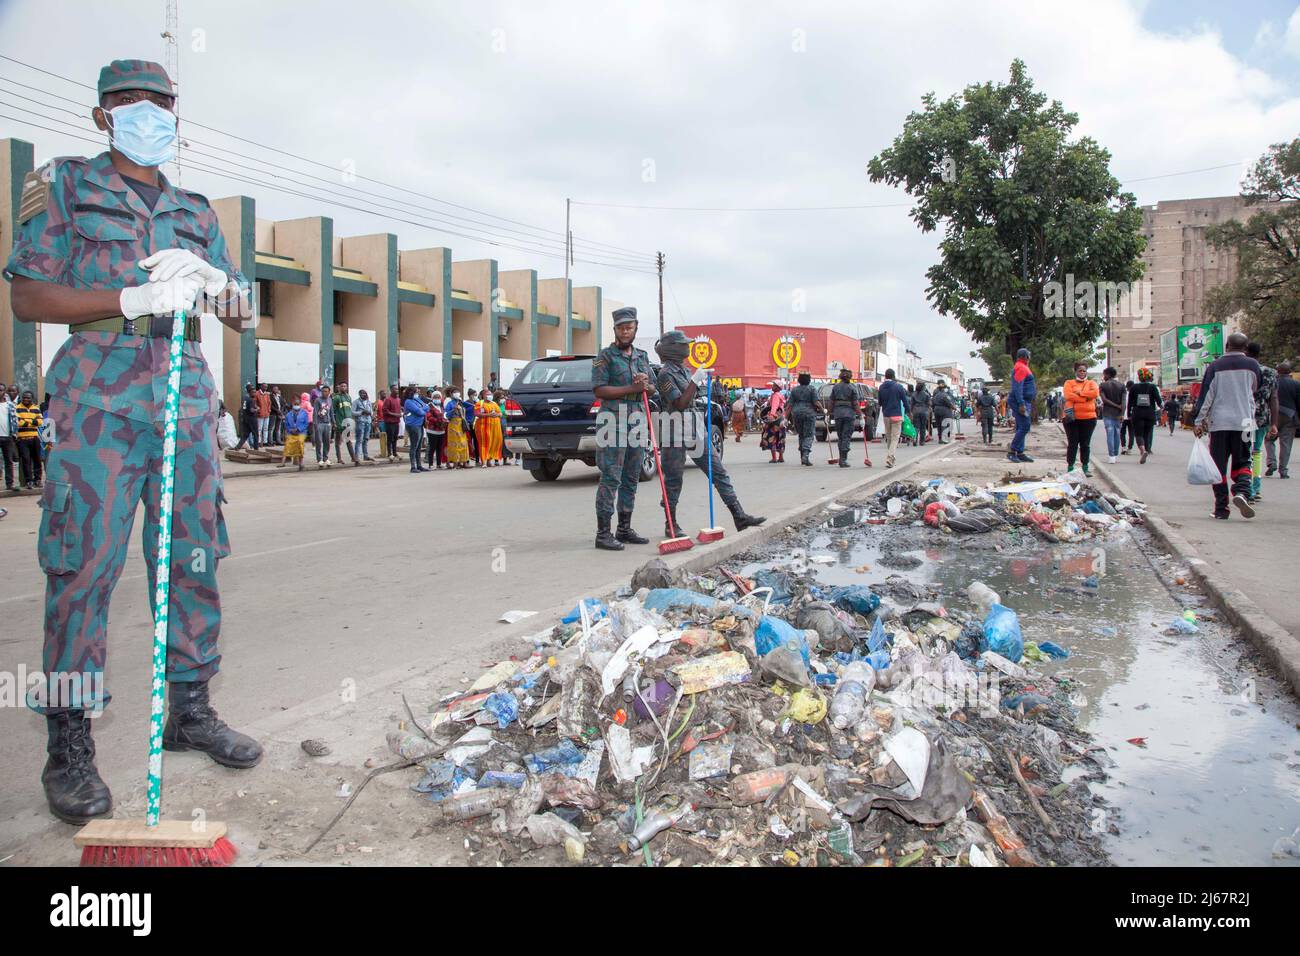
(1257, 556)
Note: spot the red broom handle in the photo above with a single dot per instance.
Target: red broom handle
(659, 468)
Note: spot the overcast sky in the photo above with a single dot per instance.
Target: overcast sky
(509, 108)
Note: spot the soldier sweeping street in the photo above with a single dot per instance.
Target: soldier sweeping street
(803, 410)
(108, 246)
(678, 389)
(620, 375)
(844, 412)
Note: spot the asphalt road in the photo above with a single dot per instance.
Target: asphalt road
(343, 574)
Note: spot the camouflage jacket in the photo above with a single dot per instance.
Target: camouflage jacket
(614, 367)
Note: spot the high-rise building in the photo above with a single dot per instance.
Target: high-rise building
(1181, 267)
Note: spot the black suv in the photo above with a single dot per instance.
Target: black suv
(551, 417)
(868, 410)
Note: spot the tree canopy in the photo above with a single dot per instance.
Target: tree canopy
(1021, 204)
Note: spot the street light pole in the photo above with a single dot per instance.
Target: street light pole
(659, 261)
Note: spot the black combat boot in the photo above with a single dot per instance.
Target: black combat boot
(604, 540)
(743, 520)
(673, 530)
(625, 532)
(803, 460)
(75, 791)
(192, 724)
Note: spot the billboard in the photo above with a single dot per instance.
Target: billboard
(1169, 358)
(1198, 346)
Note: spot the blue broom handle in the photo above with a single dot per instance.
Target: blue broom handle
(163, 569)
(708, 427)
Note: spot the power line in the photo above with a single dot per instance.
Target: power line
(532, 250)
(595, 244)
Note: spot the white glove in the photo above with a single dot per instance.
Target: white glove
(701, 377)
(160, 298)
(170, 263)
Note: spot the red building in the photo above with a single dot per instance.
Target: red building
(747, 352)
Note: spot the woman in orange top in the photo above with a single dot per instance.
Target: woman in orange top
(1080, 417)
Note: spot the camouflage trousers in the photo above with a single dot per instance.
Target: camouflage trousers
(674, 460)
(805, 423)
(620, 470)
(98, 472)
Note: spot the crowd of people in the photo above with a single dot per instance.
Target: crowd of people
(442, 429)
(25, 437)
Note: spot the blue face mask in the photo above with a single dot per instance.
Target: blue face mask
(144, 133)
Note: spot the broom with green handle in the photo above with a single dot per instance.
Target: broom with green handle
(159, 842)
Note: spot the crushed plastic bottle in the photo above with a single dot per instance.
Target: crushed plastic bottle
(471, 804)
(983, 597)
(851, 694)
(655, 824)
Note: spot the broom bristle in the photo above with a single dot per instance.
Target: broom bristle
(221, 853)
(675, 544)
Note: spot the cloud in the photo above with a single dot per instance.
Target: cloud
(511, 108)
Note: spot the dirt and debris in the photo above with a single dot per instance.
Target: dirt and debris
(755, 716)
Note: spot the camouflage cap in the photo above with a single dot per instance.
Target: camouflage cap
(625, 314)
(134, 75)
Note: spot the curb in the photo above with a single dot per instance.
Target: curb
(1268, 635)
(706, 557)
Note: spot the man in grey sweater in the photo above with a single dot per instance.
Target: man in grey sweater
(1226, 410)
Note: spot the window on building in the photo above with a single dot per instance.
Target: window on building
(265, 298)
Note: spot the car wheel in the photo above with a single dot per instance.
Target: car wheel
(720, 441)
(547, 471)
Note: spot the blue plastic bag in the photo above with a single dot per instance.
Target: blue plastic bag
(1002, 632)
(856, 598)
(595, 609)
(664, 599)
(1055, 650)
(504, 708)
(562, 754)
(778, 581)
(772, 632)
(876, 640)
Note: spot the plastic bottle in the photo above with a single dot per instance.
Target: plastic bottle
(983, 597)
(851, 693)
(471, 804)
(655, 824)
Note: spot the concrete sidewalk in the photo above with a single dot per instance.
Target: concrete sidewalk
(1254, 555)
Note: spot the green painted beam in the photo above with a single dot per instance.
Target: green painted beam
(506, 312)
(392, 304)
(270, 273)
(546, 319)
(356, 286)
(411, 297)
(466, 305)
(326, 270)
(582, 325)
(248, 266)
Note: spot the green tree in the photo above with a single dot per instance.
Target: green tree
(1267, 289)
(1022, 205)
(1052, 362)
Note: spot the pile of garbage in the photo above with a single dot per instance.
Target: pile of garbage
(765, 721)
(1063, 509)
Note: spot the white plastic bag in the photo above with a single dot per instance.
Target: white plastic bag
(1201, 469)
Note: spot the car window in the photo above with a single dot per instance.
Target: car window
(568, 372)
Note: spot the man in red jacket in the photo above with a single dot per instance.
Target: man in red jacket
(392, 410)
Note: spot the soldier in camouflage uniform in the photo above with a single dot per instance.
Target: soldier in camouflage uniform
(844, 410)
(620, 374)
(678, 389)
(110, 247)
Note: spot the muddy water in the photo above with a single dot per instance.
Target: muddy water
(1218, 780)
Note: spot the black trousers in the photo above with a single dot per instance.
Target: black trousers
(1232, 454)
(986, 428)
(9, 452)
(392, 430)
(29, 457)
(249, 424)
(1078, 441)
(437, 449)
(1146, 431)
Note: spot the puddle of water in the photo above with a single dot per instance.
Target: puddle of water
(1219, 778)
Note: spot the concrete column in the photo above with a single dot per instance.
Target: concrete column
(587, 303)
(519, 286)
(554, 297)
(19, 354)
(238, 218)
(376, 257)
(478, 277)
(306, 313)
(425, 329)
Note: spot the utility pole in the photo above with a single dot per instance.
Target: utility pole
(172, 61)
(659, 261)
(568, 242)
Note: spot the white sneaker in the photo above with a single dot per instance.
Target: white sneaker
(1114, 459)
